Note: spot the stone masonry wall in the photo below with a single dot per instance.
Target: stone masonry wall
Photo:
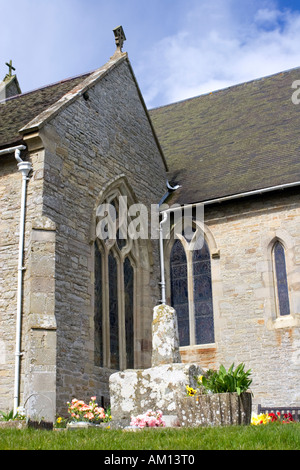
(88, 145)
(10, 196)
(246, 325)
(10, 202)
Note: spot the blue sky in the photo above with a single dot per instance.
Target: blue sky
(178, 48)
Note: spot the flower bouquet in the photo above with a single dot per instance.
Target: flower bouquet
(82, 412)
(151, 419)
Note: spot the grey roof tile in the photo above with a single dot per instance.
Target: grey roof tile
(235, 140)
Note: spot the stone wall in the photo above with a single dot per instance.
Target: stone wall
(10, 197)
(247, 328)
(10, 202)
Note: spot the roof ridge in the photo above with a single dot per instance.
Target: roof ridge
(88, 81)
(59, 82)
(219, 90)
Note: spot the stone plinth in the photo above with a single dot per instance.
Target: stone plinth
(135, 391)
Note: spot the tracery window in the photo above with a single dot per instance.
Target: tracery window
(191, 292)
(281, 282)
(115, 259)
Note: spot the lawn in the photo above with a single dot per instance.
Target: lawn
(264, 437)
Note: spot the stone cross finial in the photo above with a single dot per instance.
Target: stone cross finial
(10, 67)
(119, 37)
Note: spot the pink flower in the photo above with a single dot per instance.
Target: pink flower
(149, 419)
(93, 398)
(86, 407)
(151, 422)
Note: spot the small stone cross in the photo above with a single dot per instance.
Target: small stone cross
(119, 37)
(10, 66)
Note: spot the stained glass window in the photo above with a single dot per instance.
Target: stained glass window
(191, 295)
(128, 293)
(179, 291)
(113, 312)
(115, 302)
(281, 279)
(98, 308)
(203, 305)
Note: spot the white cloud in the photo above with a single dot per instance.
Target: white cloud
(178, 48)
(220, 44)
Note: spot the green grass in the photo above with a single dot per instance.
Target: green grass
(269, 437)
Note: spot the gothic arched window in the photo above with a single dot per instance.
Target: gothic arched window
(191, 292)
(281, 283)
(115, 257)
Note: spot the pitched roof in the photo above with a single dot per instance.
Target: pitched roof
(26, 113)
(239, 139)
(17, 111)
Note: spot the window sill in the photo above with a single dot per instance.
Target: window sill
(289, 321)
(198, 347)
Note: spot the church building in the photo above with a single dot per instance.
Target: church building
(75, 307)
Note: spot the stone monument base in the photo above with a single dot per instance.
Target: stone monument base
(134, 392)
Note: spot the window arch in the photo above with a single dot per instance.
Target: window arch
(280, 278)
(115, 268)
(191, 288)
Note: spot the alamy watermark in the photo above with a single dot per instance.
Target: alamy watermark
(296, 95)
(120, 221)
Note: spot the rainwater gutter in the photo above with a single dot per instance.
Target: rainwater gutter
(232, 197)
(24, 168)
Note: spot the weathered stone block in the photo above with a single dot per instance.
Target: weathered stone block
(218, 409)
(136, 391)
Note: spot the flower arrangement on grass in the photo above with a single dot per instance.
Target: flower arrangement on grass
(151, 419)
(91, 413)
(266, 418)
